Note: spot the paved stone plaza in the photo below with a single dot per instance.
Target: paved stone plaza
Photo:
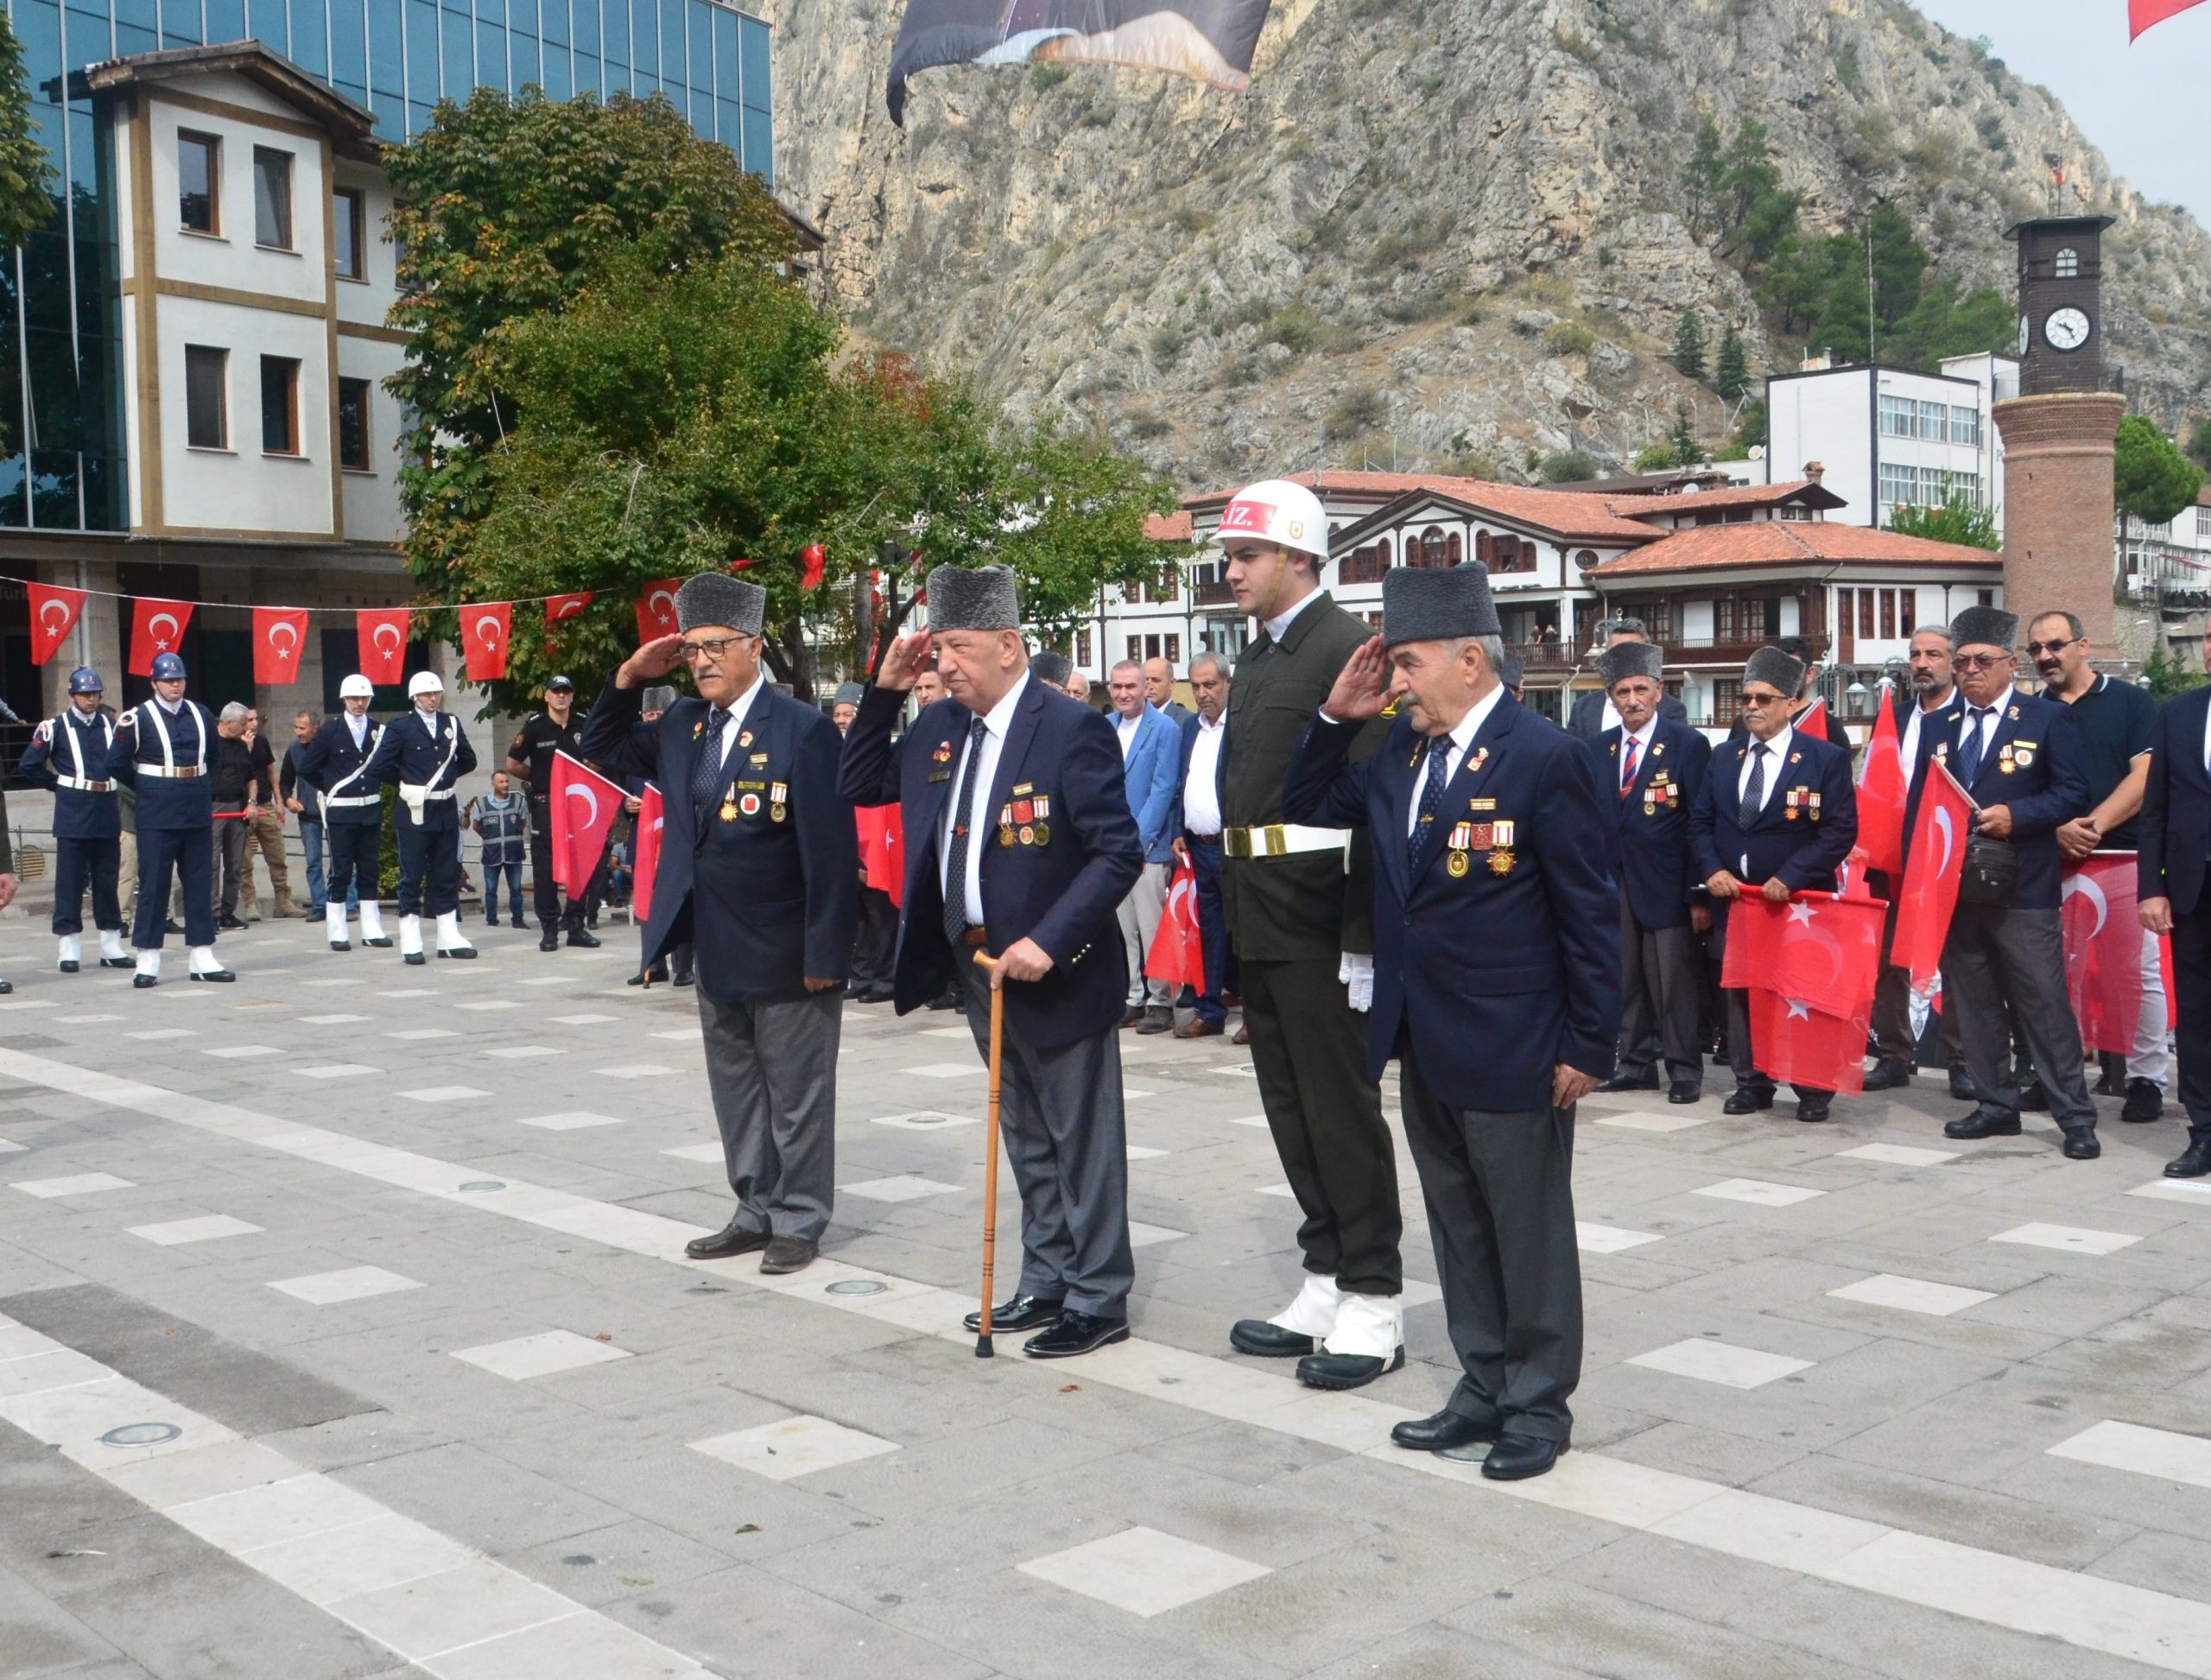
(391, 1258)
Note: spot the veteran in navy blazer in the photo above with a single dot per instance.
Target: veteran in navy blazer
(1654, 767)
(2018, 756)
(1019, 846)
(2174, 836)
(1779, 815)
(1496, 983)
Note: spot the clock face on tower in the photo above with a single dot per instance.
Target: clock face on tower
(2026, 335)
(2066, 330)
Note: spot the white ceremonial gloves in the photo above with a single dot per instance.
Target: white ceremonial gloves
(1369, 1325)
(1356, 970)
(1313, 1313)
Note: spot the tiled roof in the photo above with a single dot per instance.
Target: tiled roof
(1743, 495)
(1570, 514)
(1167, 527)
(1787, 542)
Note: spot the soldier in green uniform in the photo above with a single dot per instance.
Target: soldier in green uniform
(1299, 905)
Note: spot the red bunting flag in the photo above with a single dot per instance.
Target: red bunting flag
(2143, 13)
(1882, 786)
(1931, 876)
(1816, 949)
(584, 804)
(559, 609)
(280, 634)
(657, 609)
(54, 615)
(1178, 956)
(382, 634)
(652, 816)
(1797, 1044)
(882, 849)
(484, 630)
(156, 627)
(811, 559)
(2103, 949)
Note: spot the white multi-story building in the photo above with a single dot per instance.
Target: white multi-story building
(2172, 558)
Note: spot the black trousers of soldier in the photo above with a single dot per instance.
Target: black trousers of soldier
(429, 870)
(77, 862)
(545, 893)
(356, 860)
(186, 856)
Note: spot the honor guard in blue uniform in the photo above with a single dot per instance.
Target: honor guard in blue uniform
(161, 753)
(74, 749)
(424, 755)
(1496, 917)
(335, 764)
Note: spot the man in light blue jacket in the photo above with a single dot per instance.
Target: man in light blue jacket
(1149, 757)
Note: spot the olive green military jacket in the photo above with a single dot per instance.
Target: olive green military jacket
(1304, 906)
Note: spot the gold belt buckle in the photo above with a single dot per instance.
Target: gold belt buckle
(1270, 841)
(1235, 842)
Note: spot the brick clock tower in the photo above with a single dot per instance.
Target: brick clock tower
(2060, 432)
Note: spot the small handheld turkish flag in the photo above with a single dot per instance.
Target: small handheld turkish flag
(382, 633)
(484, 630)
(1931, 876)
(2103, 949)
(279, 634)
(584, 804)
(651, 818)
(54, 615)
(1881, 788)
(657, 610)
(156, 627)
(883, 837)
(1816, 948)
(1178, 956)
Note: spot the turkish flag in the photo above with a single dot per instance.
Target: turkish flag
(1931, 878)
(882, 849)
(54, 615)
(1178, 956)
(382, 633)
(1850, 879)
(585, 805)
(1794, 1042)
(652, 816)
(155, 627)
(811, 559)
(561, 608)
(2103, 949)
(1882, 786)
(1816, 948)
(2142, 14)
(484, 630)
(657, 609)
(279, 635)
(1813, 721)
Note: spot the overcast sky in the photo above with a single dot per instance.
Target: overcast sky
(2143, 106)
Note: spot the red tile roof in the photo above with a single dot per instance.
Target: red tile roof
(1570, 514)
(1652, 506)
(1787, 542)
(1167, 527)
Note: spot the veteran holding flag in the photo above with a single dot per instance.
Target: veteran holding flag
(1496, 922)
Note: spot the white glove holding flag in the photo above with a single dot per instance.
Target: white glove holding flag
(1356, 970)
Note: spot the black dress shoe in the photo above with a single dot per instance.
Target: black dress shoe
(415, 959)
(949, 1000)
(1339, 1370)
(1646, 1080)
(117, 962)
(2193, 1161)
(659, 974)
(1889, 1076)
(2145, 1102)
(1264, 1341)
(221, 976)
(551, 941)
(2033, 1099)
(578, 936)
(381, 942)
(341, 944)
(687, 977)
(788, 1254)
(1814, 1108)
(731, 1239)
(1130, 1016)
(1685, 1090)
(143, 982)
(67, 966)
(2081, 1144)
(1076, 1333)
(1156, 1019)
(1024, 1312)
(1516, 1457)
(1978, 1125)
(229, 924)
(1748, 1100)
(1961, 1086)
(170, 927)
(1445, 1429)
(460, 952)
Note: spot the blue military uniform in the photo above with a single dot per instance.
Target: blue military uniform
(163, 755)
(335, 765)
(73, 750)
(424, 755)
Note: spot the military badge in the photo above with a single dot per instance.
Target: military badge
(749, 804)
(1482, 804)
(1457, 865)
(1462, 837)
(1480, 758)
(729, 812)
(1500, 836)
(1043, 832)
(1024, 810)
(1044, 809)
(1029, 834)
(697, 729)
(1021, 788)
(2012, 713)
(779, 799)
(757, 758)
(1005, 837)
(1500, 863)
(744, 737)
(942, 753)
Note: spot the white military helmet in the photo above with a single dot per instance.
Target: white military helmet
(356, 686)
(425, 682)
(1277, 510)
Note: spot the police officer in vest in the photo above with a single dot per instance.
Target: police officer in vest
(424, 755)
(335, 764)
(74, 749)
(161, 753)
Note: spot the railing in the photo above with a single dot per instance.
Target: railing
(1708, 652)
(1543, 653)
(1216, 593)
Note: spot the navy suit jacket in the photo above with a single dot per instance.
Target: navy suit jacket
(768, 902)
(78, 815)
(1149, 773)
(1657, 864)
(1791, 838)
(2032, 765)
(2175, 830)
(166, 801)
(1188, 731)
(407, 752)
(1499, 972)
(1063, 891)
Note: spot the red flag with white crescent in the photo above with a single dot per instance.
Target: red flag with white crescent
(485, 626)
(882, 841)
(1882, 786)
(1801, 1045)
(2103, 949)
(584, 804)
(559, 609)
(54, 615)
(652, 816)
(1935, 866)
(382, 631)
(156, 627)
(657, 609)
(1177, 955)
(279, 635)
(2142, 14)
(1816, 948)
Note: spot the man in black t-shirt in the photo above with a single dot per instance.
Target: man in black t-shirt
(558, 728)
(231, 785)
(265, 829)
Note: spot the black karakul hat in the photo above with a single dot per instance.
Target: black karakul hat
(1421, 604)
(1991, 626)
(1631, 659)
(973, 598)
(1776, 669)
(1051, 669)
(715, 597)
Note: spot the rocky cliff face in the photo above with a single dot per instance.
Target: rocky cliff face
(1434, 230)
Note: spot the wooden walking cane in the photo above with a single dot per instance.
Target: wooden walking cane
(983, 1350)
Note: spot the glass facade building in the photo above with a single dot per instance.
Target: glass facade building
(61, 429)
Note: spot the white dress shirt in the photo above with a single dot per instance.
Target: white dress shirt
(1201, 788)
(1611, 720)
(360, 726)
(1916, 714)
(1986, 723)
(981, 831)
(1454, 746)
(738, 709)
(1642, 740)
(1777, 756)
(1282, 620)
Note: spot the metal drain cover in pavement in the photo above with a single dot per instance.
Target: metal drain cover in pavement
(855, 1286)
(477, 1185)
(142, 1435)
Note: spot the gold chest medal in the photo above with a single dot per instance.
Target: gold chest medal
(729, 811)
(779, 799)
(1500, 863)
(1457, 865)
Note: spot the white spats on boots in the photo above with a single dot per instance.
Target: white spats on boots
(149, 969)
(372, 931)
(1369, 1327)
(72, 952)
(200, 965)
(335, 917)
(410, 937)
(452, 943)
(1315, 1311)
(112, 952)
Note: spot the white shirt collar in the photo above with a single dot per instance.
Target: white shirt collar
(742, 704)
(1777, 751)
(174, 708)
(1207, 724)
(1640, 736)
(1462, 736)
(1282, 620)
(999, 718)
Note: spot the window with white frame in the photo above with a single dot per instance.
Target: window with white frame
(1965, 426)
(1899, 417)
(1899, 485)
(1934, 421)
(2067, 265)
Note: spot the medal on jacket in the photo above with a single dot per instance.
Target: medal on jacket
(729, 804)
(1456, 866)
(1500, 863)
(779, 799)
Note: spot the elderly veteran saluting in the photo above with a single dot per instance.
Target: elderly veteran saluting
(758, 871)
(1496, 982)
(1019, 844)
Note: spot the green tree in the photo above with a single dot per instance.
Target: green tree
(1687, 451)
(1945, 322)
(1687, 356)
(27, 177)
(1704, 178)
(1898, 263)
(1732, 377)
(1958, 520)
(1567, 466)
(2167, 677)
(2198, 443)
(1759, 212)
(2152, 481)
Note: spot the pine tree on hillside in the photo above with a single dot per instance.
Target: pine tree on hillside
(1687, 451)
(1689, 348)
(1732, 377)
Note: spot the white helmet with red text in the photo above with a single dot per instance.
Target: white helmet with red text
(1277, 510)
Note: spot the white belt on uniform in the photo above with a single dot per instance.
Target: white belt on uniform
(81, 785)
(414, 794)
(173, 772)
(352, 801)
(1281, 839)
